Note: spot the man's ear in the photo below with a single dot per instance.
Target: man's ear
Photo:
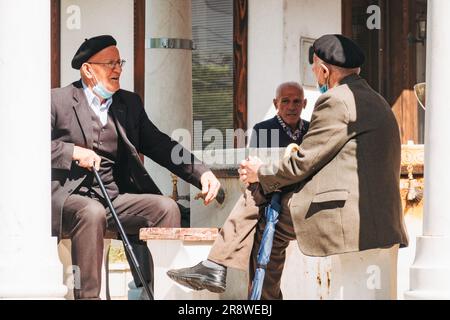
(86, 71)
(275, 104)
(305, 103)
(325, 71)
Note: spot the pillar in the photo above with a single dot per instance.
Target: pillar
(430, 272)
(29, 265)
(168, 78)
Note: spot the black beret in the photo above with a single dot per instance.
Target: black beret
(338, 50)
(90, 47)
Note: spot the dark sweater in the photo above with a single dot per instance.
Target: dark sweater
(262, 139)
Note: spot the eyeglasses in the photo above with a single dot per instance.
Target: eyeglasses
(111, 64)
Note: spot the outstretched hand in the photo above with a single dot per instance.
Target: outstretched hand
(210, 187)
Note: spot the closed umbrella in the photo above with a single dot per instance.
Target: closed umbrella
(271, 214)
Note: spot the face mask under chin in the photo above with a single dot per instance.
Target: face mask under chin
(324, 88)
(100, 90)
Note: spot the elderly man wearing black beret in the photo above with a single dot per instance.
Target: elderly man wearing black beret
(97, 124)
(343, 180)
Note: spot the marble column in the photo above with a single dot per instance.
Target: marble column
(430, 272)
(29, 265)
(168, 78)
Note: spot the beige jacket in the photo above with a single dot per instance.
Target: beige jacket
(347, 174)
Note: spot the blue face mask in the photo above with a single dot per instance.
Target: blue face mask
(100, 90)
(323, 88)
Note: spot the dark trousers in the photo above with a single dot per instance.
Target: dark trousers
(85, 221)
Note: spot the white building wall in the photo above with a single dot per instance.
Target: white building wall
(81, 19)
(275, 28)
(311, 19)
(265, 56)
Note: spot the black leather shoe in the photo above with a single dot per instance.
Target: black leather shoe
(200, 277)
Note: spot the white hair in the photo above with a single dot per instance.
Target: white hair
(292, 84)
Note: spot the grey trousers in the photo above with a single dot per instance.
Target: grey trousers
(85, 221)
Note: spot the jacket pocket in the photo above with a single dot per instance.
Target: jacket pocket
(330, 202)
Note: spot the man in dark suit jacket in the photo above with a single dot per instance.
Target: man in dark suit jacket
(95, 123)
(286, 127)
